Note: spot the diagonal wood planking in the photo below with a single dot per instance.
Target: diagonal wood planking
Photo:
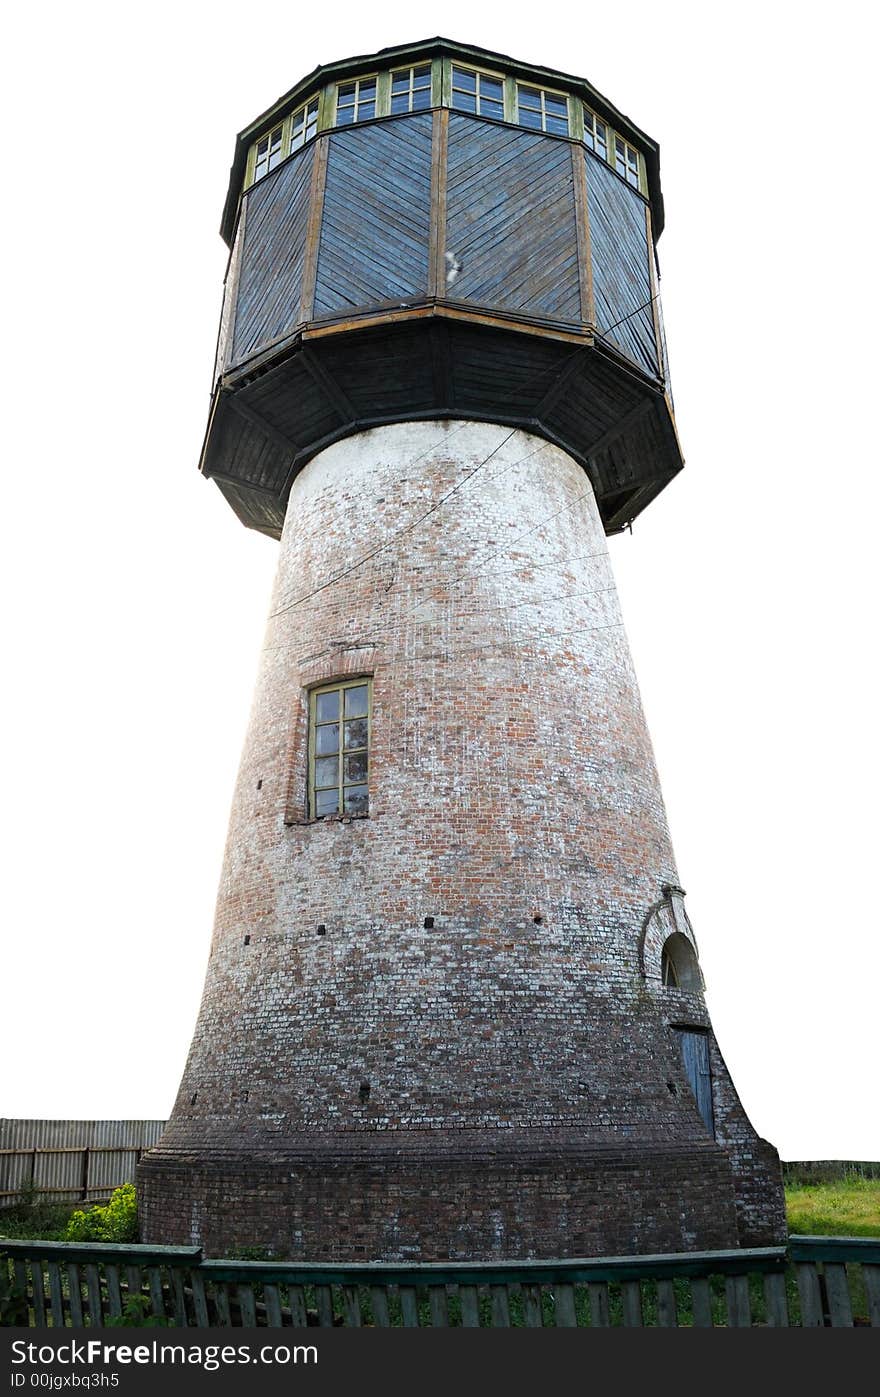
(270, 286)
(375, 228)
(621, 276)
(512, 231)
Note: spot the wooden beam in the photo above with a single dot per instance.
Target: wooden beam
(582, 228)
(313, 227)
(226, 348)
(437, 243)
(558, 387)
(623, 425)
(321, 375)
(655, 305)
(441, 365)
(543, 329)
(234, 400)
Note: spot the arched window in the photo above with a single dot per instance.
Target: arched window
(679, 968)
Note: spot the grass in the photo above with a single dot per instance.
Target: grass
(847, 1207)
(45, 1222)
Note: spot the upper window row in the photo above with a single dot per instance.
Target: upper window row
(285, 138)
(464, 89)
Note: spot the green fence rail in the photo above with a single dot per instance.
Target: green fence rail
(814, 1282)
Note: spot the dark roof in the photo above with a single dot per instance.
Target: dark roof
(430, 48)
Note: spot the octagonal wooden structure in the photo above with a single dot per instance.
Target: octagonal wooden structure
(441, 264)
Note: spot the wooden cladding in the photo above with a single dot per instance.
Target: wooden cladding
(510, 224)
(621, 266)
(442, 206)
(440, 265)
(375, 229)
(270, 280)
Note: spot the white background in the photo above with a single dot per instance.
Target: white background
(135, 601)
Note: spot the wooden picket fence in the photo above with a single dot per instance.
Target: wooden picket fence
(815, 1281)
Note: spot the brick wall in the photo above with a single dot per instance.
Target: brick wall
(514, 800)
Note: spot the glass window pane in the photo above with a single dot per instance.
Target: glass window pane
(327, 706)
(494, 90)
(327, 739)
(463, 79)
(557, 105)
(346, 92)
(557, 124)
(529, 97)
(526, 118)
(344, 116)
(327, 771)
(400, 82)
(421, 99)
(366, 110)
(356, 702)
(464, 102)
(326, 802)
(356, 800)
(400, 104)
(355, 768)
(588, 138)
(493, 109)
(422, 74)
(355, 734)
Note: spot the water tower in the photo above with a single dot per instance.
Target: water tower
(453, 1006)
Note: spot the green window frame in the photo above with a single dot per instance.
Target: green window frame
(411, 88)
(340, 721)
(269, 151)
(357, 100)
(623, 158)
(477, 92)
(304, 124)
(459, 86)
(595, 133)
(289, 135)
(541, 109)
(626, 162)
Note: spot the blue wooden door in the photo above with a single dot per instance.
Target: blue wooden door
(695, 1051)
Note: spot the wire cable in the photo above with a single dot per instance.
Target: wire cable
(401, 533)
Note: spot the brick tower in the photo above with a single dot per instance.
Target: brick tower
(453, 1006)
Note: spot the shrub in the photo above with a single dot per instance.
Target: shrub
(117, 1222)
(134, 1316)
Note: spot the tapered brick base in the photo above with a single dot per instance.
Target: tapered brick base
(369, 1203)
(444, 1029)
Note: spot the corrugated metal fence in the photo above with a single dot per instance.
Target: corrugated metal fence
(69, 1160)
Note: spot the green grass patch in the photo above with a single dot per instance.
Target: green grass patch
(44, 1222)
(847, 1207)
